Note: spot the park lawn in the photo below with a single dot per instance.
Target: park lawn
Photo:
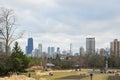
(60, 74)
(98, 77)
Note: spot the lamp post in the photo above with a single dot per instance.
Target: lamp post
(91, 75)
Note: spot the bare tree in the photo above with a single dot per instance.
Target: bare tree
(7, 28)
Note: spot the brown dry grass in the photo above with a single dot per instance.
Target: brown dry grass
(39, 73)
(34, 68)
(17, 77)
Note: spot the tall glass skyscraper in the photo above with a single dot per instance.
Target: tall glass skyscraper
(29, 46)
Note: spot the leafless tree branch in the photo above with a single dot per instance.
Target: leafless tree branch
(7, 27)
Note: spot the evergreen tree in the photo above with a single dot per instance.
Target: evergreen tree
(19, 60)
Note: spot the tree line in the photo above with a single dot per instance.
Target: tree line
(94, 61)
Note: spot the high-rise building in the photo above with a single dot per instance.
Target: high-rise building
(49, 50)
(81, 51)
(70, 53)
(90, 45)
(29, 47)
(58, 50)
(115, 47)
(52, 50)
(40, 50)
(36, 52)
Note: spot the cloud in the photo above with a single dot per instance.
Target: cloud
(35, 5)
(64, 21)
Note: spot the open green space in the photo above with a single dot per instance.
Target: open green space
(70, 75)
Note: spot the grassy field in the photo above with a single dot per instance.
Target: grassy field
(68, 75)
(98, 77)
(59, 75)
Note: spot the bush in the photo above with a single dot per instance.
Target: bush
(5, 65)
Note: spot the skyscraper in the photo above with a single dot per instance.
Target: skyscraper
(29, 46)
(36, 52)
(90, 45)
(49, 50)
(40, 50)
(70, 49)
(52, 50)
(81, 51)
(115, 47)
(58, 50)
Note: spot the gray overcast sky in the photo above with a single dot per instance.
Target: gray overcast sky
(61, 22)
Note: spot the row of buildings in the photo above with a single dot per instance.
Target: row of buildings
(38, 52)
(114, 47)
(90, 49)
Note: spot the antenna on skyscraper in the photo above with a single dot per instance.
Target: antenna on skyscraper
(30, 34)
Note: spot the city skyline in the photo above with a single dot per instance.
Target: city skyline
(90, 48)
(61, 22)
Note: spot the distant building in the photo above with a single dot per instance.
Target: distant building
(29, 47)
(70, 53)
(64, 52)
(90, 45)
(76, 54)
(58, 50)
(2, 46)
(51, 51)
(40, 50)
(102, 52)
(115, 47)
(81, 51)
(36, 52)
